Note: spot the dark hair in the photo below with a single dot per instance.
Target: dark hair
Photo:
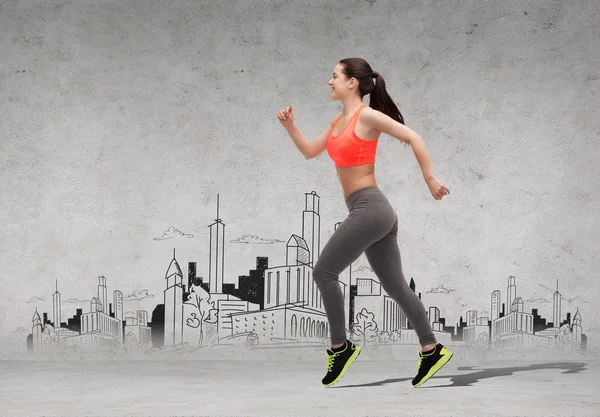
(380, 99)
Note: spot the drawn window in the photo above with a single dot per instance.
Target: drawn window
(298, 285)
(294, 326)
(277, 301)
(269, 287)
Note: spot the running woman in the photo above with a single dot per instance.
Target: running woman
(371, 226)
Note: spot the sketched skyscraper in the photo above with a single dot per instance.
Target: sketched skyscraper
(496, 304)
(511, 294)
(102, 294)
(56, 307)
(174, 304)
(311, 226)
(118, 310)
(577, 330)
(556, 302)
(36, 332)
(216, 254)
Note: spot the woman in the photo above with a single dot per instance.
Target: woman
(372, 225)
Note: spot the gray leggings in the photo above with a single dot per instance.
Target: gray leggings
(371, 227)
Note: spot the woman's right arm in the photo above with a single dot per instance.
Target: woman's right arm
(310, 149)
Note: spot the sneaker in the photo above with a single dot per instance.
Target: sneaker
(431, 362)
(339, 361)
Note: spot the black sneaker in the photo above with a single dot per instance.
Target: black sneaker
(431, 362)
(339, 361)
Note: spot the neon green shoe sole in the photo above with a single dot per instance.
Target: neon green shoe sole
(345, 368)
(446, 355)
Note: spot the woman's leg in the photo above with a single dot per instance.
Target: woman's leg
(366, 224)
(384, 258)
(356, 233)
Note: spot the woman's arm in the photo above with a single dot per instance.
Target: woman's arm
(310, 149)
(385, 124)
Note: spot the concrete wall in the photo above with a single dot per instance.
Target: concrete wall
(123, 121)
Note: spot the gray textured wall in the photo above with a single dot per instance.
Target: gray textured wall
(122, 119)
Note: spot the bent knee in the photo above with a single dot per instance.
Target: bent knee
(321, 274)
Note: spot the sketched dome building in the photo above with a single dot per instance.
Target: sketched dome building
(96, 305)
(517, 305)
(297, 252)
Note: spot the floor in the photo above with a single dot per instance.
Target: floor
(252, 388)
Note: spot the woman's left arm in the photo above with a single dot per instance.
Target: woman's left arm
(385, 124)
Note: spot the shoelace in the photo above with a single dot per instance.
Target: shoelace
(330, 360)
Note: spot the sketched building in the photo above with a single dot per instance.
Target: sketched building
(99, 330)
(60, 332)
(293, 308)
(496, 305)
(576, 331)
(36, 331)
(476, 330)
(292, 282)
(137, 330)
(311, 226)
(227, 308)
(515, 330)
(173, 300)
(369, 296)
(118, 306)
(289, 322)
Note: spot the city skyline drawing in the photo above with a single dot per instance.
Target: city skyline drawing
(281, 305)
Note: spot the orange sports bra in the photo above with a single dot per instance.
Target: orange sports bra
(347, 149)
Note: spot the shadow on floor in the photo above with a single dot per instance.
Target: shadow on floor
(466, 380)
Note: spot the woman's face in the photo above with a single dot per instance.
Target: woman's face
(339, 84)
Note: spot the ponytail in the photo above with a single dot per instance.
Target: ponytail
(381, 100)
(371, 82)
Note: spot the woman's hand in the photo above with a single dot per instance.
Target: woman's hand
(437, 189)
(286, 117)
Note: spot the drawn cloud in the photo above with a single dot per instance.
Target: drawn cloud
(542, 300)
(363, 268)
(594, 330)
(577, 299)
(172, 232)
(35, 300)
(440, 289)
(255, 240)
(75, 301)
(138, 295)
(538, 300)
(19, 329)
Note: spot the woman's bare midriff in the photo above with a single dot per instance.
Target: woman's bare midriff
(355, 178)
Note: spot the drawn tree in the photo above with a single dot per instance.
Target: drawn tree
(483, 341)
(252, 340)
(564, 338)
(355, 333)
(130, 340)
(365, 326)
(207, 313)
(50, 337)
(384, 337)
(395, 336)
